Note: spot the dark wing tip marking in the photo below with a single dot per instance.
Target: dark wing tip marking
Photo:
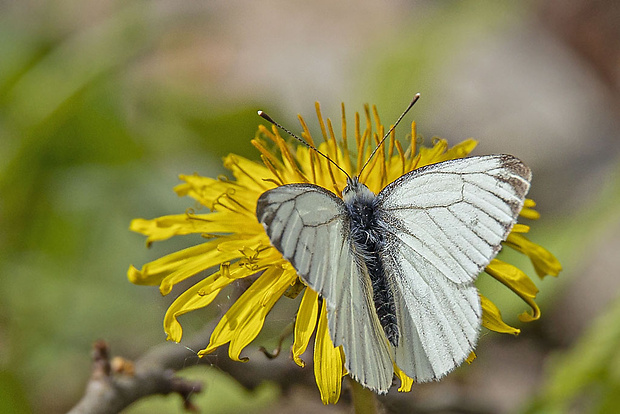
(261, 206)
(516, 166)
(519, 169)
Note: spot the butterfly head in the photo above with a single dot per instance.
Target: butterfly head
(356, 191)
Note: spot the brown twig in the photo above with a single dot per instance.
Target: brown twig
(114, 386)
(109, 391)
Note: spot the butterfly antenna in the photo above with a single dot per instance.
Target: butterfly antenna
(269, 119)
(413, 101)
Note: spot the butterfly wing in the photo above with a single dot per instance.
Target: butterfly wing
(310, 227)
(443, 224)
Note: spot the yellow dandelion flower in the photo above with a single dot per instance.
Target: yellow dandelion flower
(239, 246)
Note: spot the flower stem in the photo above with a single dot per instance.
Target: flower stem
(364, 400)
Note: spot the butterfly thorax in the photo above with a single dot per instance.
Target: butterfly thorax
(368, 244)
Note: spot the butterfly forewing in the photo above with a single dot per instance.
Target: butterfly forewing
(456, 213)
(310, 227)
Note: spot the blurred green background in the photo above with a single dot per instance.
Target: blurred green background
(103, 104)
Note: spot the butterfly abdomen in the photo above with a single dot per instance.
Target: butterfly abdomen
(368, 241)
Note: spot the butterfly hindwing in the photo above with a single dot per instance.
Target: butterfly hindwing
(438, 320)
(310, 227)
(444, 223)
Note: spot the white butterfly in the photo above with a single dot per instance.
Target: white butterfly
(397, 270)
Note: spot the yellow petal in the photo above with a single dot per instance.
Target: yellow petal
(396, 165)
(203, 189)
(162, 228)
(325, 172)
(517, 281)
(528, 210)
(244, 320)
(201, 295)
(228, 222)
(305, 324)
(269, 157)
(248, 173)
(543, 260)
(405, 382)
(247, 332)
(183, 264)
(520, 228)
(529, 213)
(433, 154)
(291, 172)
(176, 267)
(460, 150)
(492, 318)
(188, 266)
(328, 362)
(471, 357)
(439, 151)
(221, 195)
